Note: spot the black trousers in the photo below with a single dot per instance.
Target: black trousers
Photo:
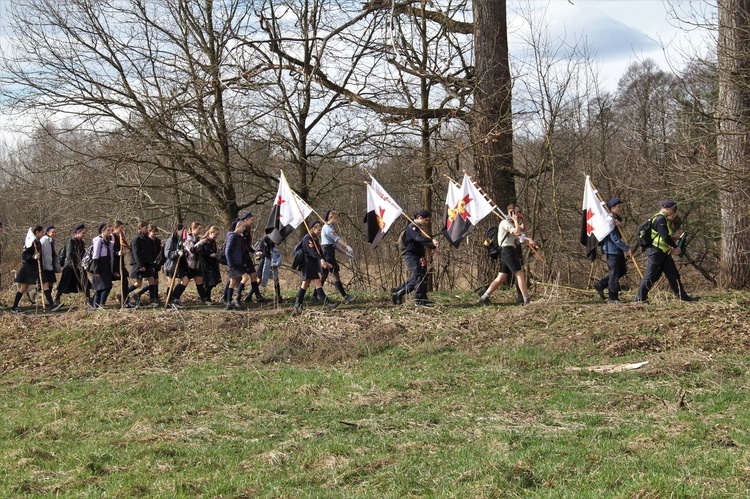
(418, 280)
(660, 263)
(617, 269)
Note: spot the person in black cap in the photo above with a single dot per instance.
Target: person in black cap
(73, 278)
(414, 244)
(660, 255)
(28, 274)
(142, 258)
(248, 262)
(311, 267)
(615, 250)
(330, 241)
(103, 258)
(175, 265)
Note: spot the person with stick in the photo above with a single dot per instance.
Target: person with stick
(311, 267)
(121, 247)
(330, 241)
(176, 267)
(194, 259)
(510, 233)
(142, 258)
(209, 253)
(157, 251)
(74, 278)
(660, 255)
(249, 261)
(103, 261)
(50, 265)
(235, 251)
(29, 273)
(616, 250)
(268, 268)
(415, 242)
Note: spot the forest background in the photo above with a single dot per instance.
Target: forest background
(172, 110)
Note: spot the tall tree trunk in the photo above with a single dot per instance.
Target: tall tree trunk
(734, 142)
(491, 121)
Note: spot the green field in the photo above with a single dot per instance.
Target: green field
(378, 401)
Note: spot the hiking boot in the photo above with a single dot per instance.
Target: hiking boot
(349, 299)
(299, 306)
(527, 300)
(157, 304)
(279, 299)
(690, 298)
(614, 301)
(176, 305)
(397, 298)
(263, 299)
(236, 304)
(519, 299)
(207, 303)
(16, 310)
(599, 289)
(230, 306)
(314, 299)
(423, 302)
(55, 307)
(136, 301)
(129, 304)
(248, 298)
(330, 305)
(483, 300)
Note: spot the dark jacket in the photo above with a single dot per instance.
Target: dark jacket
(233, 248)
(415, 242)
(74, 250)
(612, 244)
(142, 254)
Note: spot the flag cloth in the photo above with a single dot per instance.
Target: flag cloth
(383, 194)
(381, 213)
(285, 214)
(30, 238)
(596, 221)
(476, 204)
(456, 218)
(302, 206)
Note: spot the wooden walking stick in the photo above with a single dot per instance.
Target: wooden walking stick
(174, 273)
(122, 274)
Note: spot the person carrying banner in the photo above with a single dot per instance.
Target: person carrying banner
(414, 243)
(660, 255)
(615, 250)
(510, 234)
(330, 242)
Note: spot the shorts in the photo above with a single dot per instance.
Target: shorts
(49, 276)
(510, 264)
(137, 273)
(193, 273)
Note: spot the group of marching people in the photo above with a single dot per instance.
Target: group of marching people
(188, 254)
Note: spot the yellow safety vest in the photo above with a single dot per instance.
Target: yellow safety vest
(656, 240)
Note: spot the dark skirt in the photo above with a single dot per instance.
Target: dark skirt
(310, 269)
(211, 273)
(49, 276)
(71, 280)
(137, 273)
(182, 269)
(193, 273)
(235, 272)
(28, 274)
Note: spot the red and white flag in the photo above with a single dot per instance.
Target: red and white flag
(382, 211)
(596, 221)
(475, 203)
(287, 212)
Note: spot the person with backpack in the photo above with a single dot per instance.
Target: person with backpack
(413, 243)
(249, 254)
(142, 257)
(659, 252)
(157, 250)
(194, 259)
(510, 234)
(310, 267)
(615, 250)
(103, 265)
(74, 278)
(331, 242)
(175, 266)
(50, 265)
(28, 274)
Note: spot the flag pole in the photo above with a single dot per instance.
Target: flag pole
(622, 236)
(41, 281)
(504, 216)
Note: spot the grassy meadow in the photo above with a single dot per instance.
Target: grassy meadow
(373, 400)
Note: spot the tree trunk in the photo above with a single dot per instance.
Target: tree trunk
(491, 121)
(733, 142)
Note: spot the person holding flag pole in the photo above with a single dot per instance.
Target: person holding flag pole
(30, 272)
(312, 266)
(175, 266)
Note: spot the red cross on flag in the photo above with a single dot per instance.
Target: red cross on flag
(596, 222)
(288, 212)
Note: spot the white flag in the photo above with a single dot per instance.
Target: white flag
(474, 201)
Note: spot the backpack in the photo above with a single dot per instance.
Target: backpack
(402, 241)
(643, 233)
(87, 260)
(221, 255)
(299, 256)
(61, 257)
(491, 243)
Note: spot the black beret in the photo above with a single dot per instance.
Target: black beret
(614, 202)
(668, 203)
(78, 227)
(326, 215)
(422, 213)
